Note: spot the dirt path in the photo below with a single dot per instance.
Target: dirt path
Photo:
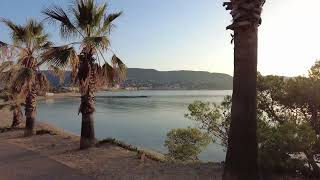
(17, 163)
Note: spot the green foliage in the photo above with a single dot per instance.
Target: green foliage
(288, 110)
(212, 118)
(281, 147)
(186, 144)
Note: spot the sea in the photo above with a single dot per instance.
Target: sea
(140, 118)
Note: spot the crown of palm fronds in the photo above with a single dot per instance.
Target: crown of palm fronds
(29, 40)
(86, 19)
(31, 35)
(89, 22)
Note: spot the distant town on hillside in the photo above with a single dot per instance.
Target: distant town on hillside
(150, 79)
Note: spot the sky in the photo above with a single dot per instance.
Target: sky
(191, 35)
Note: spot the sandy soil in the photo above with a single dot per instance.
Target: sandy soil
(106, 162)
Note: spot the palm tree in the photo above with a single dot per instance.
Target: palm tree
(241, 159)
(88, 23)
(30, 41)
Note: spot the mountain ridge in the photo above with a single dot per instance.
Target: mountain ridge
(154, 79)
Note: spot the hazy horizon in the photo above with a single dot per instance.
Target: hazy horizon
(188, 35)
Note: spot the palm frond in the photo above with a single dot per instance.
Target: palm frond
(60, 56)
(41, 82)
(23, 79)
(120, 68)
(107, 23)
(57, 14)
(99, 42)
(4, 50)
(7, 75)
(4, 66)
(46, 45)
(18, 32)
(58, 72)
(99, 14)
(83, 11)
(108, 72)
(34, 28)
(3, 44)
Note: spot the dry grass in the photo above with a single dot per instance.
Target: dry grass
(151, 155)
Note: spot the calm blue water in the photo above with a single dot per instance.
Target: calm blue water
(143, 122)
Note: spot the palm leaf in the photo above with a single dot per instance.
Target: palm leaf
(108, 72)
(9, 73)
(107, 23)
(34, 28)
(5, 65)
(120, 67)
(56, 13)
(99, 14)
(57, 72)
(42, 82)
(101, 42)
(60, 56)
(23, 79)
(46, 45)
(83, 11)
(18, 33)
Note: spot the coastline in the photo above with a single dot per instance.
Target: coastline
(107, 160)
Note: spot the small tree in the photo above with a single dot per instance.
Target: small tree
(186, 144)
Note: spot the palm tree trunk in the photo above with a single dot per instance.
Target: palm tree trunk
(241, 159)
(17, 116)
(30, 112)
(87, 110)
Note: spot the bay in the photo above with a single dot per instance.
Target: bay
(140, 118)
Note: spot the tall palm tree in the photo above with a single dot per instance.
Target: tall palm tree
(241, 159)
(89, 24)
(31, 42)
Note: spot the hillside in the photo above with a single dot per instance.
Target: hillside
(179, 79)
(153, 79)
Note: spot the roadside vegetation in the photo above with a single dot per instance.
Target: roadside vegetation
(287, 125)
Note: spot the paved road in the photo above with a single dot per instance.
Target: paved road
(20, 164)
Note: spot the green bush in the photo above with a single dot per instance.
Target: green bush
(186, 144)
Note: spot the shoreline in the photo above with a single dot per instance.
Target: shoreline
(108, 160)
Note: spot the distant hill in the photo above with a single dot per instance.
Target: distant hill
(186, 79)
(153, 79)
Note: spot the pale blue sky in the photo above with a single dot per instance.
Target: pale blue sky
(191, 35)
